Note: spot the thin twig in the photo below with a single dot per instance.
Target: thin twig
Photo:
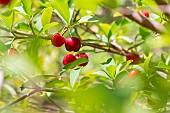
(76, 14)
(30, 23)
(98, 46)
(18, 100)
(136, 45)
(54, 103)
(65, 29)
(143, 21)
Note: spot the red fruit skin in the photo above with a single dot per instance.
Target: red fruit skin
(12, 51)
(57, 40)
(68, 59)
(72, 44)
(133, 73)
(82, 55)
(5, 2)
(134, 57)
(145, 13)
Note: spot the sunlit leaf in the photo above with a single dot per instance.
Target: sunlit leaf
(101, 73)
(27, 5)
(74, 74)
(46, 16)
(62, 9)
(8, 19)
(87, 18)
(48, 26)
(147, 62)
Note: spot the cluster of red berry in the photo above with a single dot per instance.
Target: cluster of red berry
(71, 44)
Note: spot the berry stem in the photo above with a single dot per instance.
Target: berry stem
(65, 29)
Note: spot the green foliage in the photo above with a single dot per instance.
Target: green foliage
(104, 84)
(62, 10)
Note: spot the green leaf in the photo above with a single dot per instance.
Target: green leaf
(48, 26)
(62, 10)
(12, 4)
(87, 18)
(111, 70)
(163, 65)
(3, 47)
(46, 16)
(74, 74)
(110, 61)
(87, 4)
(149, 3)
(146, 63)
(120, 76)
(146, 48)
(8, 19)
(71, 9)
(167, 60)
(101, 73)
(27, 4)
(122, 66)
(105, 28)
(145, 33)
(54, 83)
(73, 64)
(23, 26)
(112, 30)
(125, 65)
(111, 3)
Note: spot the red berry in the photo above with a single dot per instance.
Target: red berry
(134, 57)
(72, 44)
(68, 59)
(133, 73)
(57, 40)
(12, 51)
(145, 13)
(5, 2)
(82, 55)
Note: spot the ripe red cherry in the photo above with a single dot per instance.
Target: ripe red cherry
(68, 59)
(72, 44)
(134, 57)
(133, 73)
(82, 55)
(145, 13)
(5, 2)
(57, 40)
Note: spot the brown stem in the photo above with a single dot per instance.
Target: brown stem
(160, 2)
(76, 14)
(138, 18)
(87, 29)
(165, 9)
(99, 46)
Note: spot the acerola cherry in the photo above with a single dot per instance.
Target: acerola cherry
(133, 73)
(134, 57)
(57, 40)
(5, 2)
(82, 55)
(68, 59)
(145, 13)
(72, 44)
